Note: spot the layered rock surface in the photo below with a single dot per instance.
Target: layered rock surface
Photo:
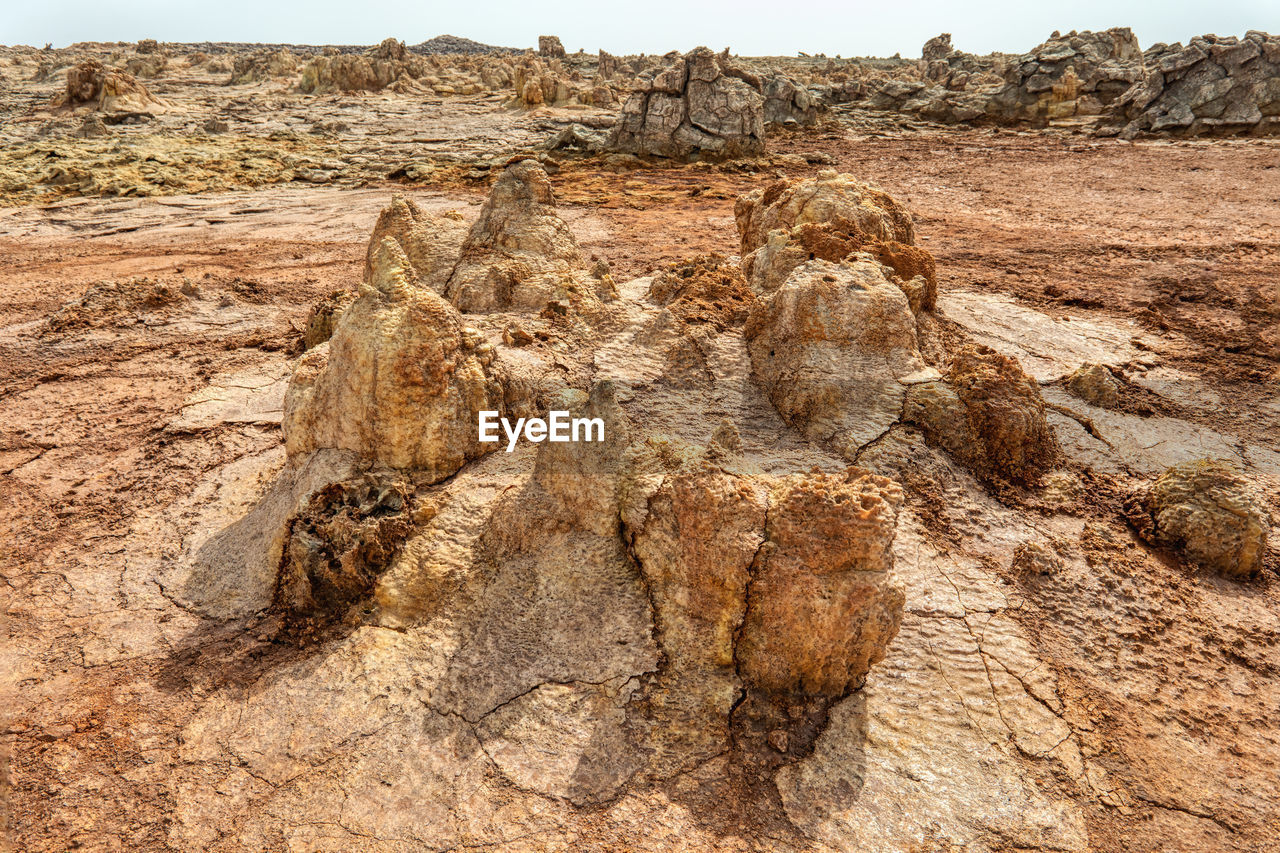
(1212, 86)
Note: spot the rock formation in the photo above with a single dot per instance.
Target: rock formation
(831, 217)
(834, 348)
(1205, 509)
(782, 587)
(431, 243)
(1076, 74)
(106, 89)
(788, 102)
(698, 107)
(1212, 86)
(550, 47)
(988, 414)
(400, 382)
(821, 608)
(519, 254)
(262, 65)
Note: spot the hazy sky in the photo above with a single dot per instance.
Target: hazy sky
(749, 27)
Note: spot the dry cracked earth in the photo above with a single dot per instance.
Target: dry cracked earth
(866, 560)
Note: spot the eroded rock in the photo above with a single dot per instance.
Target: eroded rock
(698, 107)
(519, 253)
(401, 381)
(833, 348)
(1207, 510)
(430, 243)
(987, 413)
(106, 89)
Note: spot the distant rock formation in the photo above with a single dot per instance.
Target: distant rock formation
(700, 106)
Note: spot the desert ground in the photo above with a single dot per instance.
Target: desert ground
(623, 647)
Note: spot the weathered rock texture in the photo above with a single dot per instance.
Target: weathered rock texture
(821, 608)
(400, 382)
(263, 65)
(1207, 510)
(1212, 86)
(550, 47)
(786, 101)
(1095, 384)
(699, 106)
(832, 217)
(341, 543)
(987, 413)
(1076, 74)
(833, 347)
(431, 243)
(520, 254)
(106, 89)
(782, 587)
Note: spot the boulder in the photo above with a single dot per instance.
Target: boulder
(698, 107)
(822, 606)
(1205, 509)
(1095, 384)
(988, 414)
(788, 102)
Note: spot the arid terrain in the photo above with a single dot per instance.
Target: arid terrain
(265, 591)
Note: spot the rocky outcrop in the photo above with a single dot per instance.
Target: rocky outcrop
(834, 348)
(431, 243)
(400, 383)
(519, 254)
(1205, 509)
(832, 217)
(698, 107)
(263, 65)
(1212, 86)
(1078, 74)
(106, 89)
(988, 414)
(550, 47)
(788, 102)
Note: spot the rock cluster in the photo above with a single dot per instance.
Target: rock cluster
(1076, 74)
(1212, 86)
(431, 243)
(700, 106)
(1205, 509)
